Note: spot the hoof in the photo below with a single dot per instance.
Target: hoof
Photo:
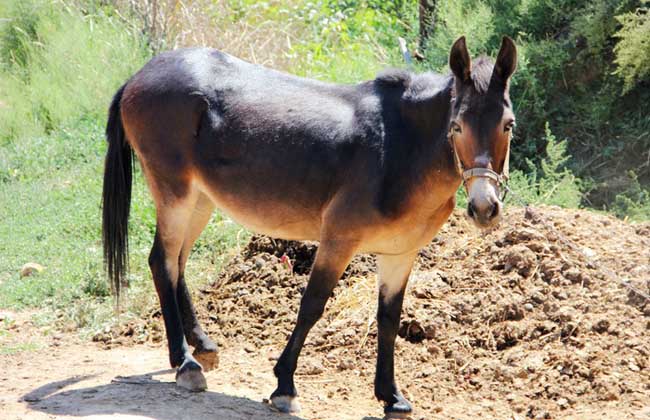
(398, 416)
(208, 359)
(190, 377)
(400, 409)
(286, 403)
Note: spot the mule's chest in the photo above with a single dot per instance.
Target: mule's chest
(408, 233)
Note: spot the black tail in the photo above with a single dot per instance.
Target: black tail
(116, 198)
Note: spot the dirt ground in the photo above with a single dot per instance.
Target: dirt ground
(510, 324)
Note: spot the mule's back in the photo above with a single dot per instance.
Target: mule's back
(269, 148)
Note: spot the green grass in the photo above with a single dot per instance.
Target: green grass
(52, 216)
(10, 349)
(51, 166)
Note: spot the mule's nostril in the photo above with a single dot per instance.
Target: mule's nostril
(494, 211)
(471, 210)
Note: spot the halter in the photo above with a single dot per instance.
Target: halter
(500, 179)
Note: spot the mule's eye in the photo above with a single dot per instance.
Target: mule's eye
(455, 128)
(509, 126)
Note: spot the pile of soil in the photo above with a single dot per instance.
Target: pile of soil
(513, 314)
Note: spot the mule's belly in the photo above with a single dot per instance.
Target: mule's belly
(263, 213)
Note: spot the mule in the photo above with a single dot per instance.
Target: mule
(365, 168)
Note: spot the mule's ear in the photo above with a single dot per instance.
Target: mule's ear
(459, 61)
(506, 63)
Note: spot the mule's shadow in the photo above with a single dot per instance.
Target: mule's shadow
(143, 396)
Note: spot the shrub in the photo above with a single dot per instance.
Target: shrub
(634, 202)
(633, 48)
(554, 184)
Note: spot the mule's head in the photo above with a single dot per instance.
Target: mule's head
(481, 126)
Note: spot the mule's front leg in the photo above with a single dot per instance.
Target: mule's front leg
(393, 275)
(331, 259)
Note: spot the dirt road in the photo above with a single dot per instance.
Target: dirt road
(68, 380)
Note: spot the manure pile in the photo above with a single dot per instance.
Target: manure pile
(511, 314)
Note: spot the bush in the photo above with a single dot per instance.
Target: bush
(633, 48)
(634, 202)
(554, 184)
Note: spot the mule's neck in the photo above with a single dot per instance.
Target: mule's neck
(426, 111)
(420, 162)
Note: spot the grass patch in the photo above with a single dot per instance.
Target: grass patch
(52, 211)
(10, 349)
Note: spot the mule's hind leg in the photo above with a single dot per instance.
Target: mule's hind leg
(173, 218)
(205, 350)
(331, 259)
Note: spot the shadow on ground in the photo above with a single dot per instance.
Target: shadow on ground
(144, 396)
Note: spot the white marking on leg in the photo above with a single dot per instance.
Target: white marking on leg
(393, 273)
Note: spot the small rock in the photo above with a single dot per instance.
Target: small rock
(259, 262)
(346, 364)
(601, 326)
(560, 295)
(543, 414)
(30, 268)
(434, 349)
(563, 403)
(538, 297)
(589, 253)
(610, 396)
(528, 306)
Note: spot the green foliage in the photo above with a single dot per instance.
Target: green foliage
(60, 65)
(349, 41)
(474, 19)
(634, 202)
(555, 184)
(583, 67)
(633, 49)
(18, 33)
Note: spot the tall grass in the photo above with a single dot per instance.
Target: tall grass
(60, 65)
(342, 41)
(59, 70)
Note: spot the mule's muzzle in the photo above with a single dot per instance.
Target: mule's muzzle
(485, 212)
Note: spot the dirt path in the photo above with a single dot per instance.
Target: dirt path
(63, 378)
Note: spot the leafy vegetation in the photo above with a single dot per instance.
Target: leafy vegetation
(583, 73)
(553, 183)
(56, 82)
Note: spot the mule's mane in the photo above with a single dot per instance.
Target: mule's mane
(481, 74)
(394, 77)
